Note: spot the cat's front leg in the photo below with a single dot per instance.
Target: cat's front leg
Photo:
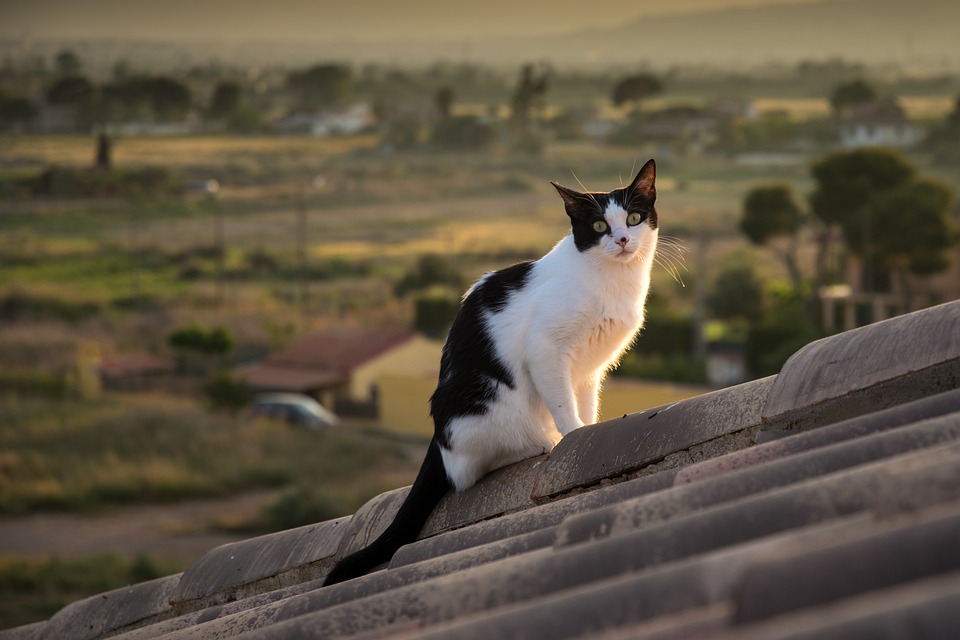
(588, 394)
(553, 383)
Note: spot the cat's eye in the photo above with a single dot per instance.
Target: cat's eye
(600, 226)
(633, 219)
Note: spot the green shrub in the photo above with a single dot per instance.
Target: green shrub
(227, 394)
(434, 311)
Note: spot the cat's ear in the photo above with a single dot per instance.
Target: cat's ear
(643, 188)
(573, 201)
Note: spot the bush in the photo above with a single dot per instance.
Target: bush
(20, 305)
(434, 312)
(216, 342)
(225, 393)
(681, 368)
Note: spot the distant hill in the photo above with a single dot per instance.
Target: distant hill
(923, 32)
(918, 33)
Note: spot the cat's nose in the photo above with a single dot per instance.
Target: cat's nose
(622, 241)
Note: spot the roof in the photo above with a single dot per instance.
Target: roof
(264, 376)
(322, 359)
(134, 364)
(822, 502)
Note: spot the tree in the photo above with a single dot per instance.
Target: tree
(16, 111)
(772, 218)
(890, 218)
(913, 231)
(635, 89)
(77, 94)
(953, 119)
(225, 100)
(847, 182)
(68, 64)
(71, 91)
(528, 96)
(851, 94)
(169, 98)
(443, 100)
(320, 86)
(737, 292)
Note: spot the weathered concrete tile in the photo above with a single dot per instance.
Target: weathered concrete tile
(502, 491)
(616, 447)
(529, 520)
(777, 585)
(113, 611)
(827, 481)
(24, 632)
(928, 608)
(240, 569)
(892, 418)
(870, 368)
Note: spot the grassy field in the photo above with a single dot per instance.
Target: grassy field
(123, 449)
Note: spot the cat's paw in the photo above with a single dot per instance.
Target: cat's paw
(568, 426)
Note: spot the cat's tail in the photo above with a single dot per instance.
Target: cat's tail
(429, 487)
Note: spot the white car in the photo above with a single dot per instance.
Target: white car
(295, 409)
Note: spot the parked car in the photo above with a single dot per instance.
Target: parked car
(295, 409)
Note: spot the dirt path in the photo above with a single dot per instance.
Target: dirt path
(176, 532)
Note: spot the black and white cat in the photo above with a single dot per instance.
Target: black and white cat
(526, 355)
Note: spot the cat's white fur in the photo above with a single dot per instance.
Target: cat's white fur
(558, 336)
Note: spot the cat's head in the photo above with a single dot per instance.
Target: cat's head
(620, 225)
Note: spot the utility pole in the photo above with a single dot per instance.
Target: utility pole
(301, 230)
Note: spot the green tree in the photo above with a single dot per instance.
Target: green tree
(636, 88)
(851, 94)
(321, 86)
(16, 111)
(893, 220)
(528, 96)
(772, 218)
(225, 100)
(169, 98)
(72, 91)
(68, 63)
(77, 94)
(737, 292)
(194, 339)
(913, 231)
(848, 182)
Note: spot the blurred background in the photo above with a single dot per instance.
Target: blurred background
(232, 235)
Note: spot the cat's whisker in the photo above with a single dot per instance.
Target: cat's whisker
(671, 255)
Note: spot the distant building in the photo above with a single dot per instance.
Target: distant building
(880, 123)
(341, 367)
(346, 121)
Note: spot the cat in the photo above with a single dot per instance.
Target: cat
(527, 352)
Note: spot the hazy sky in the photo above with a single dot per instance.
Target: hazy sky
(343, 19)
